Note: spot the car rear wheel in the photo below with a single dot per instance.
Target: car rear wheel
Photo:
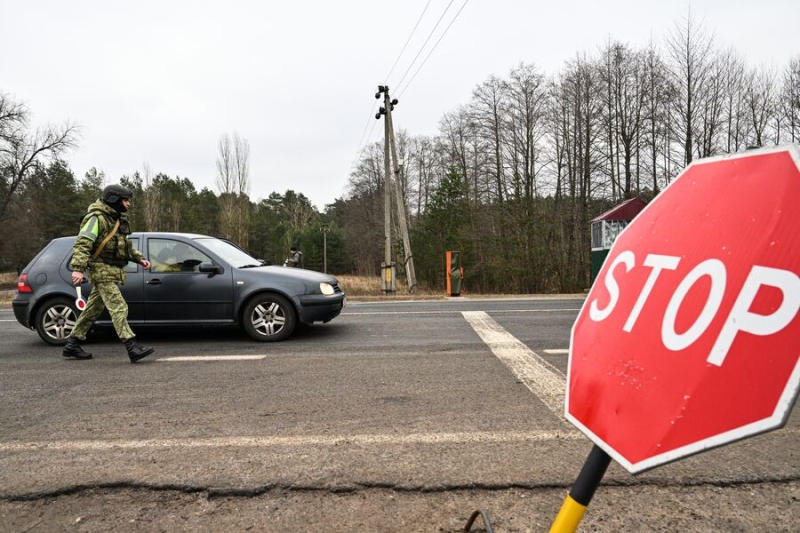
(55, 320)
(269, 318)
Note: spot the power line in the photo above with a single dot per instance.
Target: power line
(408, 40)
(362, 142)
(366, 126)
(432, 49)
(426, 42)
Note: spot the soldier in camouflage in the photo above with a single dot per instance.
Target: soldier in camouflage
(295, 258)
(103, 259)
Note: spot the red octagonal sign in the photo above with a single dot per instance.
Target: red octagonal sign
(690, 336)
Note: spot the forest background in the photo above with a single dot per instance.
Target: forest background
(512, 179)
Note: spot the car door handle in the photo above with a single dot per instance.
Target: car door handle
(154, 282)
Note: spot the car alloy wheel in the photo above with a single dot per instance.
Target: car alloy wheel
(269, 318)
(56, 320)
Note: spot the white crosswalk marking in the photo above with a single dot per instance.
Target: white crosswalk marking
(542, 378)
(561, 351)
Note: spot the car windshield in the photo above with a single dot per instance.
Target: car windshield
(230, 253)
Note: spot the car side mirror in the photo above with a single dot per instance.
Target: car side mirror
(210, 268)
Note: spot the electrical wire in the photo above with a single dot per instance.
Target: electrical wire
(432, 49)
(366, 126)
(425, 43)
(408, 40)
(361, 142)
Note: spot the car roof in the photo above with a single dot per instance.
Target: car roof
(154, 234)
(170, 234)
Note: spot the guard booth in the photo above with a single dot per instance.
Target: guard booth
(606, 228)
(455, 273)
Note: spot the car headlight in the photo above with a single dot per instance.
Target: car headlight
(326, 289)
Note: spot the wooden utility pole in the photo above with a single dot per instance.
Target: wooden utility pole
(391, 147)
(387, 208)
(400, 199)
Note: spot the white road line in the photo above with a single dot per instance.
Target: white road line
(309, 440)
(543, 379)
(557, 352)
(183, 358)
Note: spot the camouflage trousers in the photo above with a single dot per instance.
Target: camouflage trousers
(105, 295)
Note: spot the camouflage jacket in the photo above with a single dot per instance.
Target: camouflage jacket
(109, 265)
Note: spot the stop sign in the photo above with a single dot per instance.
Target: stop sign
(690, 336)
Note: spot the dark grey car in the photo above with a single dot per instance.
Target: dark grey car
(194, 280)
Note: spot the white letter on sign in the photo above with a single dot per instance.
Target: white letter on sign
(741, 319)
(597, 314)
(710, 267)
(659, 263)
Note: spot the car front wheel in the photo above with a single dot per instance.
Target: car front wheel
(55, 320)
(269, 318)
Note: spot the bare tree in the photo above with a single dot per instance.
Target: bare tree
(690, 49)
(734, 113)
(421, 169)
(623, 73)
(21, 151)
(710, 107)
(759, 100)
(152, 204)
(527, 97)
(488, 112)
(658, 92)
(790, 100)
(233, 184)
(241, 166)
(226, 187)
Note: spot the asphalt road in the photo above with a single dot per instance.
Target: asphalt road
(402, 416)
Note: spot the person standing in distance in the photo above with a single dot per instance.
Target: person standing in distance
(295, 258)
(102, 250)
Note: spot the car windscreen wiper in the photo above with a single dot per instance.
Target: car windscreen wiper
(250, 266)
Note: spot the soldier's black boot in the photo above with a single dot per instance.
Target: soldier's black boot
(73, 349)
(136, 351)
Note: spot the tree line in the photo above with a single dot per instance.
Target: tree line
(515, 176)
(511, 180)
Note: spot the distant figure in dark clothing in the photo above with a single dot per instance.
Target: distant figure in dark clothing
(295, 258)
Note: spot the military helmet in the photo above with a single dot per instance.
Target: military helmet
(114, 193)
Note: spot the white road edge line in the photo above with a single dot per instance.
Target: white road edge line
(310, 440)
(542, 378)
(559, 351)
(183, 358)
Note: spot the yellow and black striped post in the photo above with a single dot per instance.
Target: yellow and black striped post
(581, 493)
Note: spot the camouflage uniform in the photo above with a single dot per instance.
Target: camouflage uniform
(107, 270)
(295, 259)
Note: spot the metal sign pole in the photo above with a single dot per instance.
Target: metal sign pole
(576, 502)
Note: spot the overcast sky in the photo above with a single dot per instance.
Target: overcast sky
(158, 82)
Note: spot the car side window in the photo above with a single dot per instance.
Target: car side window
(167, 255)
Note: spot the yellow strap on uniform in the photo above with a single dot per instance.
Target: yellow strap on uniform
(105, 241)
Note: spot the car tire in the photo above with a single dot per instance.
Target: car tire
(55, 320)
(269, 318)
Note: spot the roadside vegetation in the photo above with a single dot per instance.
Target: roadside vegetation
(512, 179)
